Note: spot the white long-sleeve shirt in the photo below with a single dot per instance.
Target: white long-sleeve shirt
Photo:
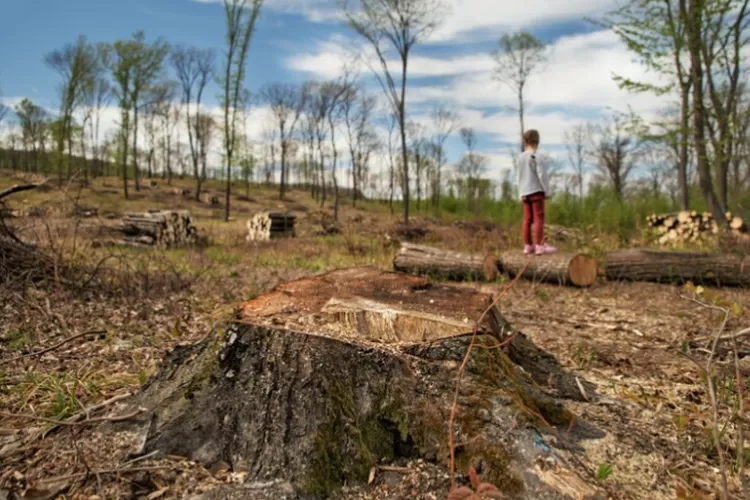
(531, 175)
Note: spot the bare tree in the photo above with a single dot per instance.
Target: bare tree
(444, 123)
(241, 16)
(614, 149)
(170, 118)
(392, 121)
(394, 25)
(97, 95)
(470, 168)
(287, 102)
(76, 64)
(516, 58)
(576, 140)
(195, 69)
(204, 127)
(269, 152)
(332, 93)
(3, 108)
(418, 144)
(34, 123)
(358, 109)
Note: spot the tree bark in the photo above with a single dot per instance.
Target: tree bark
(323, 378)
(569, 269)
(423, 260)
(677, 267)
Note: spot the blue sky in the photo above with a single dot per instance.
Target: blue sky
(300, 39)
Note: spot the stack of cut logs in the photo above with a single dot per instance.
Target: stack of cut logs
(158, 228)
(691, 226)
(266, 225)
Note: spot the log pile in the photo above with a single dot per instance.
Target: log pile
(158, 228)
(266, 225)
(691, 226)
(720, 269)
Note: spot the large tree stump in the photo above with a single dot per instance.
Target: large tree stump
(722, 269)
(319, 380)
(563, 268)
(437, 263)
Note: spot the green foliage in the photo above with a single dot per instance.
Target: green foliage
(604, 471)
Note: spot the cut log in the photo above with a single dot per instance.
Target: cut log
(576, 269)
(424, 260)
(321, 379)
(720, 269)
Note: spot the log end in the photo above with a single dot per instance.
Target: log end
(583, 270)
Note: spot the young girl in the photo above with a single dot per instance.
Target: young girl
(533, 187)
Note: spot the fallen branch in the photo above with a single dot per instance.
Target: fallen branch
(81, 475)
(25, 416)
(76, 418)
(52, 348)
(17, 189)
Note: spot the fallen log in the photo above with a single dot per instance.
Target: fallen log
(721, 269)
(437, 263)
(563, 268)
(321, 379)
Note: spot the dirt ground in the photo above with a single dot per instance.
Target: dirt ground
(637, 342)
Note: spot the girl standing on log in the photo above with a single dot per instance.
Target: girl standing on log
(533, 187)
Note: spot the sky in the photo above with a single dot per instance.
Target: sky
(297, 40)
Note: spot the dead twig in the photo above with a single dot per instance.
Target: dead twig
(80, 421)
(52, 348)
(121, 470)
(17, 189)
(717, 433)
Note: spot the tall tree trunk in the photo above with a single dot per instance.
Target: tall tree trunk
(135, 149)
(124, 138)
(695, 31)
(402, 125)
(682, 164)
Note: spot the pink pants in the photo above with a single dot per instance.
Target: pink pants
(533, 213)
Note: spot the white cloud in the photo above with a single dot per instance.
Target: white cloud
(577, 82)
(465, 20)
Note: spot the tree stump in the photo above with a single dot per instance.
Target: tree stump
(321, 379)
(434, 262)
(562, 268)
(721, 269)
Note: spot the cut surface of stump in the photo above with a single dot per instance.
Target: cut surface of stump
(564, 268)
(323, 378)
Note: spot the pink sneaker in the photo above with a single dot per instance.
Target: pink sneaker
(545, 248)
(527, 249)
